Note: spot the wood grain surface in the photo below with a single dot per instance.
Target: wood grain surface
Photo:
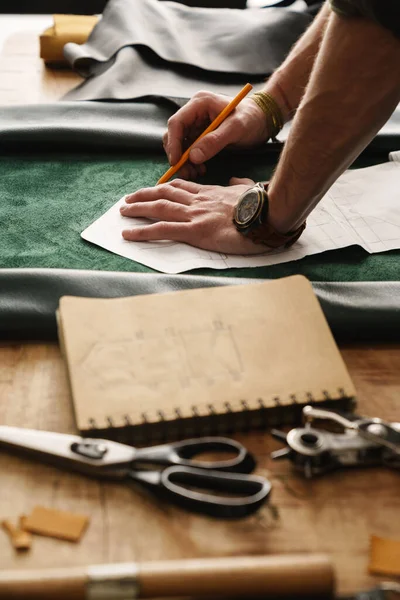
(23, 76)
(334, 514)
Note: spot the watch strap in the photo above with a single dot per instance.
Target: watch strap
(262, 232)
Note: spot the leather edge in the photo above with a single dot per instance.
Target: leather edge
(355, 311)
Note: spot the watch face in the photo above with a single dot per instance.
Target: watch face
(247, 207)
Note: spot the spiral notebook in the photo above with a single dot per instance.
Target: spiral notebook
(202, 361)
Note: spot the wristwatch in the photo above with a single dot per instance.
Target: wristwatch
(251, 219)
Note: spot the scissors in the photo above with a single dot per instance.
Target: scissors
(229, 491)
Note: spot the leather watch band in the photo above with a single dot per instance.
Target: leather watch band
(265, 233)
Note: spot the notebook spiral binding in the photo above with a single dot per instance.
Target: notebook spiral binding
(257, 416)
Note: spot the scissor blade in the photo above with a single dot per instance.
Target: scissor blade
(92, 456)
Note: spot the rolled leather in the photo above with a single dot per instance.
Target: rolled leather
(368, 312)
(135, 125)
(85, 124)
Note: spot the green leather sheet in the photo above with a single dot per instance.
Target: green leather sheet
(46, 200)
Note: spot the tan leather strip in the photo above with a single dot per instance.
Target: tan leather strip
(56, 523)
(384, 558)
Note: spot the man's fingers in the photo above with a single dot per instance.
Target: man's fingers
(177, 125)
(178, 232)
(214, 142)
(191, 172)
(188, 172)
(159, 210)
(241, 181)
(203, 107)
(188, 186)
(164, 191)
(165, 142)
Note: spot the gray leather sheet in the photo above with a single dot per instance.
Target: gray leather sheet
(138, 126)
(368, 312)
(120, 125)
(145, 47)
(134, 74)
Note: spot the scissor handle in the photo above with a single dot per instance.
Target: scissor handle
(243, 494)
(184, 453)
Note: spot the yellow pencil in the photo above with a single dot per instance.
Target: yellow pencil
(217, 121)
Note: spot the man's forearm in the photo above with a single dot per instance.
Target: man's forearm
(287, 84)
(353, 89)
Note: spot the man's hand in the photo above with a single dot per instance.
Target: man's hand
(184, 211)
(244, 128)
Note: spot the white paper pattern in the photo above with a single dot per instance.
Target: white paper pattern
(362, 207)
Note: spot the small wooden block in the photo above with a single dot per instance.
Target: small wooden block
(20, 539)
(8, 527)
(23, 539)
(384, 558)
(56, 523)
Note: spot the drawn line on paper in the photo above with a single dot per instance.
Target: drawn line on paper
(369, 225)
(152, 361)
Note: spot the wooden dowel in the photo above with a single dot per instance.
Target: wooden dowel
(283, 576)
(44, 584)
(278, 576)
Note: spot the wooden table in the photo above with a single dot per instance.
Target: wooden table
(334, 514)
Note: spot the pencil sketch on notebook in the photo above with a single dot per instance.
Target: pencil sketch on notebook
(361, 208)
(187, 356)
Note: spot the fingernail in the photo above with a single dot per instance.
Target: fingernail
(197, 155)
